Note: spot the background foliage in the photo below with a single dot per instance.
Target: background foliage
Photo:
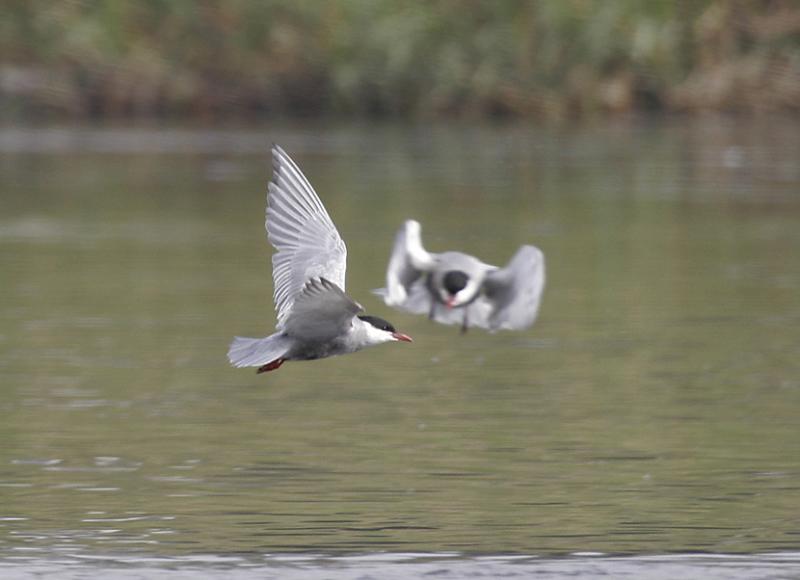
(541, 58)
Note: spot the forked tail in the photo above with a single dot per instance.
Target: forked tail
(256, 352)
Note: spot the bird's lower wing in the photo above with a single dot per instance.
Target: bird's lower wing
(322, 311)
(513, 293)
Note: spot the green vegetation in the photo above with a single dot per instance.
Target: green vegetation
(551, 59)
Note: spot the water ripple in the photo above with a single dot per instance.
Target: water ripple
(374, 566)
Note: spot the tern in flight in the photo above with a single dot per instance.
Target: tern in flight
(456, 288)
(316, 319)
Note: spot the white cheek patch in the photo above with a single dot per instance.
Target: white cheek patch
(467, 293)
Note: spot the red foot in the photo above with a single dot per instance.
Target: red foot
(271, 366)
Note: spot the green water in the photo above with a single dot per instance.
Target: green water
(653, 407)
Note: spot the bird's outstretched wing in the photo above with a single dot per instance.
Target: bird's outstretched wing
(320, 312)
(404, 275)
(307, 243)
(514, 292)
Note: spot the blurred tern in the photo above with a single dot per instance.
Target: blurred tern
(316, 319)
(454, 288)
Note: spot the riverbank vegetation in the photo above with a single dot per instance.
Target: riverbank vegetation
(545, 59)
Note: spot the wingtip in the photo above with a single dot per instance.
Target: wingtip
(529, 249)
(278, 156)
(413, 225)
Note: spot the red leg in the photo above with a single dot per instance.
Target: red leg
(271, 366)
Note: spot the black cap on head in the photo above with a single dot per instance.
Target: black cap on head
(455, 281)
(378, 323)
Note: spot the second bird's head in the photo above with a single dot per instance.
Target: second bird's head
(456, 289)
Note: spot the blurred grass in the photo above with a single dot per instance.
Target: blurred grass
(552, 59)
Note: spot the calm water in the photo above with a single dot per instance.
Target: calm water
(652, 410)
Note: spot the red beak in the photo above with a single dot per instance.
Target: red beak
(402, 337)
(449, 302)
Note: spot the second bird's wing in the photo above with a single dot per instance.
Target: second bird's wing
(407, 265)
(307, 243)
(321, 312)
(514, 292)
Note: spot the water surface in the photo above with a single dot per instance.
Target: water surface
(652, 409)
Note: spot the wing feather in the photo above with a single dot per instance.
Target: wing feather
(298, 226)
(515, 292)
(407, 265)
(322, 311)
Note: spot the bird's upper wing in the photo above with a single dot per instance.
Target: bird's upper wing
(307, 243)
(514, 292)
(321, 311)
(408, 262)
